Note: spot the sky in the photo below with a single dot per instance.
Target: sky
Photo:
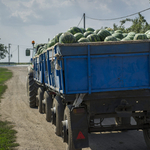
(22, 21)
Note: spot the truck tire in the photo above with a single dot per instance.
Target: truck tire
(69, 145)
(40, 98)
(59, 114)
(31, 90)
(122, 120)
(48, 105)
(146, 133)
(53, 114)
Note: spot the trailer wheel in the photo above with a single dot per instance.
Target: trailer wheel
(146, 133)
(40, 98)
(69, 145)
(59, 115)
(122, 120)
(31, 89)
(53, 113)
(48, 105)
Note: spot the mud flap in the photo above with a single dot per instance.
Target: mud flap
(79, 126)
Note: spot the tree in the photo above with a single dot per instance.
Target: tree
(139, 24)
(3, 51)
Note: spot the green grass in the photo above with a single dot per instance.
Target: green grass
(7, 133)
(5, 74)
(7, 136)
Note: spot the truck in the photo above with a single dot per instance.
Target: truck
(79, 85)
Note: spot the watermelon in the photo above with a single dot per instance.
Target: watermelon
(56, 38)
(51, 43)
(67, 37)
(140, 36)
(78, 36)
(148, 36)
(93, 38)
(118, 39)
(83, 30)
(103, 33)
(131, 34)
(110, 38)
(96, 31)
(88, 33)
(124, 34)
(131, 37)
(90, 29)
(74, 30)
(83, 39)
(126, 39)
(40, 49)
(147, 32)
(118, 31)
(118, 35)
(111, 32)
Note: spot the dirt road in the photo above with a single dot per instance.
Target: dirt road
(34, 133)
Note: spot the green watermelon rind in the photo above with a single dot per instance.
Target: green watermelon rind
(56, 38)
(118, 35)
(78, 36)
(118, 31)
(90, 29)
(67, 37)
(110, 38)
(96, 31)
(87, 33)
(140, 36)
(83, 39)
(103, 33)
(74, 30)
(147, 32)
(93, 38)
(148, 36)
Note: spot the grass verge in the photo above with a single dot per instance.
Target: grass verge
(7, 133)
(5, 74)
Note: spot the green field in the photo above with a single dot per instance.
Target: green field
(7, 134)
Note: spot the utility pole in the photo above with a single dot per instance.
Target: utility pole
(84, 20)
(9, 53)
(18, 54)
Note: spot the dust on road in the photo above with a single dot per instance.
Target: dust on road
(35, 133)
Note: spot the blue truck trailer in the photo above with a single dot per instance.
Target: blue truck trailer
(78, 85)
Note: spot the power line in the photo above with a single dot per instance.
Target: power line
(14, 50)
(118, 17)
(80, 21)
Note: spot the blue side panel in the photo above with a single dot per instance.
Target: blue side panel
(55, 79)
(98, 68)
(37, 68)
(45, 68)
(135, 71)
(76, 74)
(119, 71)
(41, 69)
(49, 69)
(106, 73)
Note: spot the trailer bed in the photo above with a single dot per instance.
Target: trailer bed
(95, 67)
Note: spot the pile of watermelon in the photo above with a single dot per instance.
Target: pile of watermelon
(78, 35)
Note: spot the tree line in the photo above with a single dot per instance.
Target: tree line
(138, 25)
